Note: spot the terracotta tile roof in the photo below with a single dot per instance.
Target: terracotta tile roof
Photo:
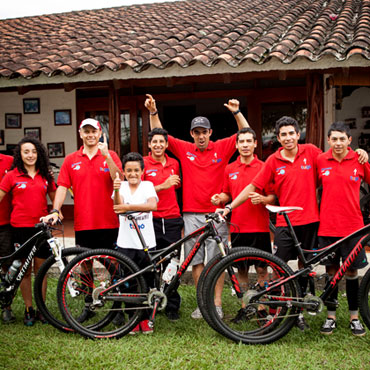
(184, 32)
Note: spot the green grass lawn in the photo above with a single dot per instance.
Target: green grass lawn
(186, 344)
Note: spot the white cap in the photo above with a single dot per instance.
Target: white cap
(90, 122)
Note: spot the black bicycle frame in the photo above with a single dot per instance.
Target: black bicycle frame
(320, 256)
(167, 253)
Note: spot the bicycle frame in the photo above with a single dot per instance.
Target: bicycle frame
(157, 258)
(320, 255)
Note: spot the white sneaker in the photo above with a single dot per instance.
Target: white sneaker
(196, 315)
(220, 312)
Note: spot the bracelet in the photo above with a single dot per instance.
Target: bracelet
(54, 211)
(236, 112)
(154, 113)
(228, 206)
(116, 190)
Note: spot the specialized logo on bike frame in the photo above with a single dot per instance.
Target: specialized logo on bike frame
(191, 156)
(355, 176)
(76, 166)
(280, 170)
(21, 184)
(234, 175)
(305, 166)
(152, 173)
(325, 171)
(216, 160)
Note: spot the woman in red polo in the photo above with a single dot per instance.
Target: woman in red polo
(29, 181)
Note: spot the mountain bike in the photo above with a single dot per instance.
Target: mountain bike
(107, 282)
(269, 309)
(10, 281)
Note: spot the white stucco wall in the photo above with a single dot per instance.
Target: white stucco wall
(50, 100)
(351, 108)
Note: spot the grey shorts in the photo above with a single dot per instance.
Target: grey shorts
(193, 221)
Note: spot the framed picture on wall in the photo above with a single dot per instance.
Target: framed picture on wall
(2, 141)
(13, 120)
(31, 106)
(34, 132)
(56, 150)
(62, 117)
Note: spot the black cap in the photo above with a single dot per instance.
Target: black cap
(200, 122)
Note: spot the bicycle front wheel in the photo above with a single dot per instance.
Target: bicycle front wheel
(260, 314)
(49, 306)
(87, 303)
(364, 298)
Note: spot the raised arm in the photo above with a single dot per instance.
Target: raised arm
(233, 106)
(153, 112)
(113, 168)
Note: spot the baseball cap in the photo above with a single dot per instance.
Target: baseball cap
(200, 122)
(90, 122)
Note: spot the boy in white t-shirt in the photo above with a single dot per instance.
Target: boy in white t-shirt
(138, 196)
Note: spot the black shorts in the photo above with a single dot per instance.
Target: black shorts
(167, 231)
(343, 251)
(94, 239)
(6, 243)
(259, 241)
(306, 234)
(22, 234)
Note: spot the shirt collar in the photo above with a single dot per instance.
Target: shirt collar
(251, 164)
(350, 155)
(210, 146)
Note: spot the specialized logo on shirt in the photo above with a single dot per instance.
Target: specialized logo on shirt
(216, 160)
(21, 185)
(355, 177)
(234, 175)
(305, 166)
(76, 166)
(152, 173)
(280, 170)
(191, 156)
(325, 171)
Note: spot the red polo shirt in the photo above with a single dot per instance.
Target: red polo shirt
(202, 171)
(29, 200)
(248, 217)
(340, 212)
(92, 189)
(156, 173)
(5, 205)
(294, 183)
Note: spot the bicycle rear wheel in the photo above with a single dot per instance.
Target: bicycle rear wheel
(252, 320)
(86, 305)
(364, 298)
(49, 307)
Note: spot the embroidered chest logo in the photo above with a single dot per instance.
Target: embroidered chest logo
(215, 159)
(104, 168)
(325, 171)
(355, 176)
(234, 175)
(191, 156)
(280, 170)
(76, 166)
(305, 166)
(152, 173)
(21, 185)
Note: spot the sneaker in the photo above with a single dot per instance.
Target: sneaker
(85, 315)
(240, 316)
(173, 315)
(29, 316)
(328, 326)
(357, 328)
(196, 315)
(7, 315)
(301, 323)
(219, 311)
(135, 330)
(146, 327)
(119, 319)
(41, 317)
